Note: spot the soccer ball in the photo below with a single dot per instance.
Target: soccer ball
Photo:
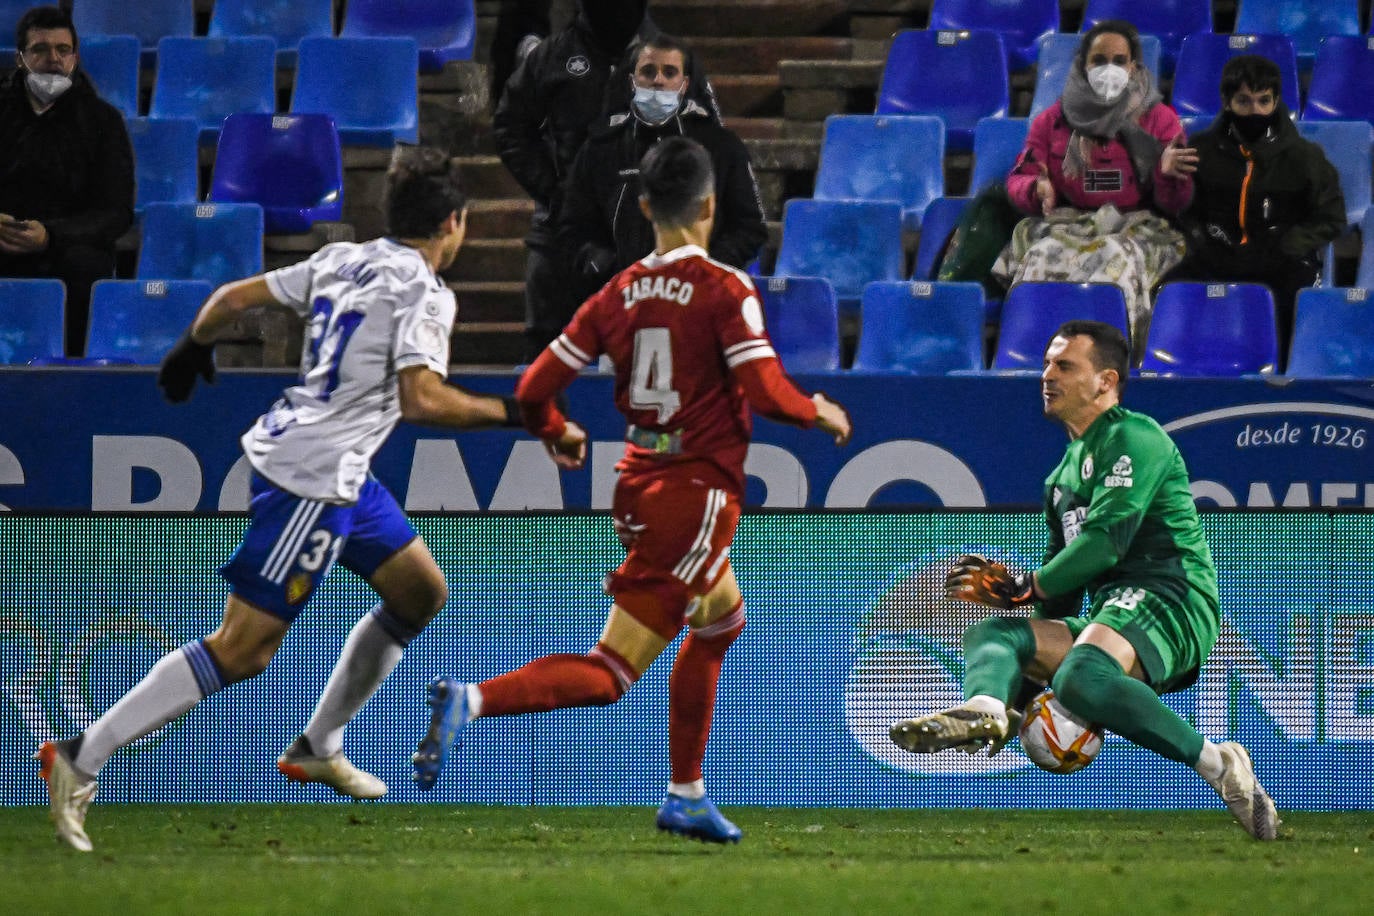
(1055, 739)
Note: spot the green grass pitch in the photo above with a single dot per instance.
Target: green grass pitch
(442, 859)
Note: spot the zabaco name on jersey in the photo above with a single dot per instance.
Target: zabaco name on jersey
(669, 289)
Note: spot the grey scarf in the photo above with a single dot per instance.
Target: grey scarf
(1093, 119)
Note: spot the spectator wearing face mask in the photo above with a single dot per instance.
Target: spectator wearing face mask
(66, 168)
(1265, 200)
(1103, 170)
(543, 116)
(663, 95)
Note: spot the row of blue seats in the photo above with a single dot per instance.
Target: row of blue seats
(1022, 22)
(290, 165)
(444, 30)
(1197, 329)
(368, 85)
(853, 241)
(961, 76)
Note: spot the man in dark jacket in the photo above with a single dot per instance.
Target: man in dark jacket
(66, 168)
(1265, 200)
(600, 223)
(540, 123)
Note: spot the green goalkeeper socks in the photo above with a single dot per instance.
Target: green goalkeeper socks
(995, 651)
(1091, 685)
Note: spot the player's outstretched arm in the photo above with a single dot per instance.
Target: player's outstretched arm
(832, 418)
(194, 352)
(426, 398)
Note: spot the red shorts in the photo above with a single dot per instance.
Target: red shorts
(677, 528)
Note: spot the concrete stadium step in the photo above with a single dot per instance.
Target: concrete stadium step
(487, 343)
(762, 54)
(500, 218)
(812, 90)
(748, 94)
(750, 18)
(489, 260)
(489, 301)
(488, 177)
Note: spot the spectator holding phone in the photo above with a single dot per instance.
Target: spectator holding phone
(66, 168)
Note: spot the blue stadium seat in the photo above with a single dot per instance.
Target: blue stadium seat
(1333, 334)
(1033, 311)
(1364, 274)
(445, 30)
(369, 85)
(112, 62)
(957, 76)
(850, 243)
(883, 157)
(803, 321)
(208, 79)
(166, 160)
(1307, 22)
(1348, 145)
(1197, 81)
(1167, 20)
(10, 13)
(1342, 87)
(1020, 22)
(149, 21)
(1212, 329)
(284, 21)
(212, 242)
(942, 217)
(921, 328)
(31, 320)
(1192, 126)
(997, 142)
(137, 321)
(1056, 57)
(289, 164)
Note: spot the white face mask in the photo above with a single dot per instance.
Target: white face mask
(48, 87)
(656, 106)
(1109, 81)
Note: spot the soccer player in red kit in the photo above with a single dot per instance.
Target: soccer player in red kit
(691, 359)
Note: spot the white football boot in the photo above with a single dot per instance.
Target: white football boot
(1238, 787)
(969, 730)
(69, 795)
(299, 763)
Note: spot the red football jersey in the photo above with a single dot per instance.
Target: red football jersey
(691, 357)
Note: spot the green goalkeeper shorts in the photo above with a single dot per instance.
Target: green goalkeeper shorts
(1171, 641)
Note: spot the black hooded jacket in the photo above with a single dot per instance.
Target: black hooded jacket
(71, 168)
(601, 225)
(556, 95)
(1256, 203)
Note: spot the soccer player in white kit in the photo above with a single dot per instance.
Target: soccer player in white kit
(376, 351)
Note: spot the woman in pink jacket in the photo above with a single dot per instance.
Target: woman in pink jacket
(1103, 170)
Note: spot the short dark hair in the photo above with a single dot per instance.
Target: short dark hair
(1110, 348)
(422, 188)
(676, 175)
(42, 17)
(1259, 73)
(1107, 27)
(663, 42)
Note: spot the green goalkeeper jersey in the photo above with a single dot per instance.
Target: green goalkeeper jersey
(1120, 514)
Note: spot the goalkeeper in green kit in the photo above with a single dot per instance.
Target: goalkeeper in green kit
(1122, 526)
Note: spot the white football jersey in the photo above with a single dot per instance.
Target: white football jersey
(372, 309)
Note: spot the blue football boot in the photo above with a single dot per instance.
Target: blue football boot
(449, 698)
(696, 818)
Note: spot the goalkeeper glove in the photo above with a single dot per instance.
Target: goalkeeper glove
(979, 580)
(187, 359)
